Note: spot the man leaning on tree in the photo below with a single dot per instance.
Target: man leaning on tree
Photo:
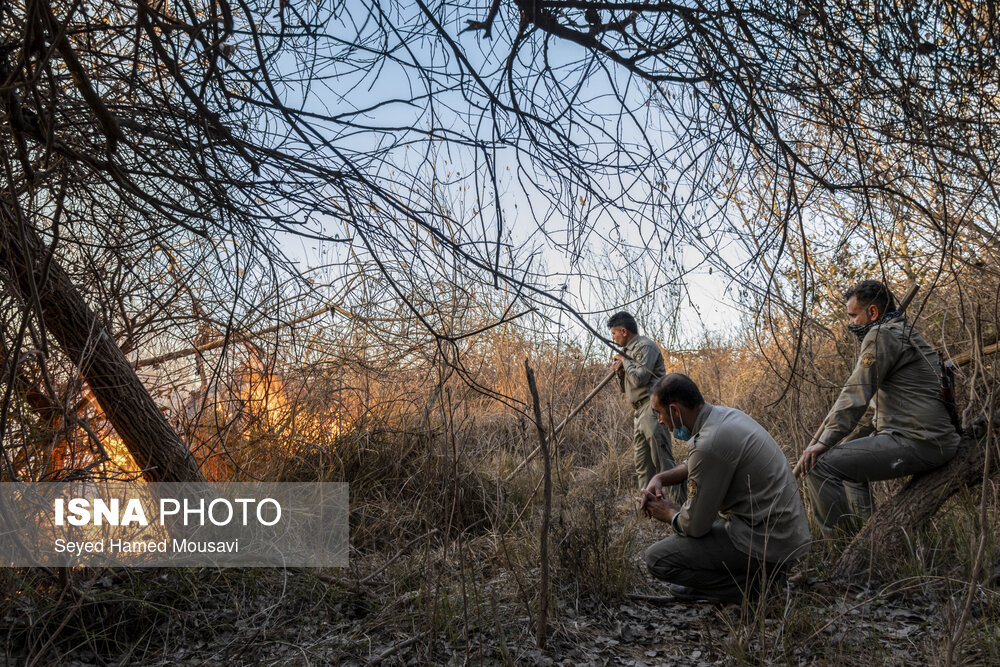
(889, 421)
(638, 366)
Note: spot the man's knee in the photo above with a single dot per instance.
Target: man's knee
(661, 559)
(827, 466)
(835, 467)
(654, 560)
(817, 479)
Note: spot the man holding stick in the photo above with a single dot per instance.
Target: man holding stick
(889, 421)
(638, 366)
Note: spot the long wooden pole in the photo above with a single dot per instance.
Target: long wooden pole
(551, 437)
(963, 358)
(907, 298)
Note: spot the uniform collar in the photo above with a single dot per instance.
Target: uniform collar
(706, 408)
(897, 323)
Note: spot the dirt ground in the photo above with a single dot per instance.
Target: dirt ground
(440, 607)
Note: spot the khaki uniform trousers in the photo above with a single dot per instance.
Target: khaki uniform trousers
(712, 565)
(651, 448)
(838, 484)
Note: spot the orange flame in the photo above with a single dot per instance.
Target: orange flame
(264, 395)
(118, 454)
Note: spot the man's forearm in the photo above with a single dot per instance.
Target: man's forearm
(676, 475)
(637, 373)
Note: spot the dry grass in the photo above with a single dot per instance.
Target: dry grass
(444, 556)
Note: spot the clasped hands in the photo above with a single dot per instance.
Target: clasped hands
(655, 504)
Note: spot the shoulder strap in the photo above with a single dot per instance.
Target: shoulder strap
(947, 387)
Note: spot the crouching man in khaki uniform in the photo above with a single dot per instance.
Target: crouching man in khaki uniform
(743, 518)
(640, 365)
(889, 420)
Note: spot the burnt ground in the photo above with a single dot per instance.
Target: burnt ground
(465, 604)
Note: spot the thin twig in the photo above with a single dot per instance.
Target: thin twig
(398, 554)
(543, 537)
(396, 648)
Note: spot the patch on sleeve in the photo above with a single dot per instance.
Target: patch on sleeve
(692, 489)
(867, 359)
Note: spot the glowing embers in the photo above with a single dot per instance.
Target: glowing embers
(291, 408)
(111, 450)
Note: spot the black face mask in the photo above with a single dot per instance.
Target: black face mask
(861, 330)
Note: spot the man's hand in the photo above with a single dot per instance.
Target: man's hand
(617, 365)
(661, 509)
(654, 490)
(808, 458)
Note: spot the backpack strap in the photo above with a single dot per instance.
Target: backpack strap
(946, 372)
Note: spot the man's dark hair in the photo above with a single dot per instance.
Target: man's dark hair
(678, 388)
(869, 292)
(623, 319)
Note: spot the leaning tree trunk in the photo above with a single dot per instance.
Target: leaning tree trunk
(886, 533)
(154, 445)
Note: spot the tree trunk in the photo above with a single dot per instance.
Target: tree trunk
(154, 445)
(885, 535)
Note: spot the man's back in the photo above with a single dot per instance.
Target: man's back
(897, 375)
(737, 470)
(648, 368)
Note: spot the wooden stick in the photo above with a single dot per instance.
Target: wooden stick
(903, 304)
(541, 627)
(551, 437)
(964, 358)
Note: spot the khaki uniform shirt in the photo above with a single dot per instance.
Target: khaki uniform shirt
(647, 368)
(894, 388)
(736, 471)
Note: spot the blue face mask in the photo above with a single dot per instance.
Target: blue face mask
(683, 433)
